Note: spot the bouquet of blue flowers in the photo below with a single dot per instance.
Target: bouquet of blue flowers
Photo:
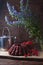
(27, 18)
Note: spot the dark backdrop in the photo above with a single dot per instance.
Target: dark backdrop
(36, 6)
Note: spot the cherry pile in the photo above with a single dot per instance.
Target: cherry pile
(23, 49)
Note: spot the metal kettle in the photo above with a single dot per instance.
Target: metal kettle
(4, 39)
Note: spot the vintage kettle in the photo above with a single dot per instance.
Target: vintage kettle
(5, 39)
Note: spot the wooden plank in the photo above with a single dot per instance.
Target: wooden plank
(5, 55)
(18, 62)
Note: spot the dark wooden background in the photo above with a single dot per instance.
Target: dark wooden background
(20, 33)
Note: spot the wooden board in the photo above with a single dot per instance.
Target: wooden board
(5, 55)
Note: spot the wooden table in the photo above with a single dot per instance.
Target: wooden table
(6, 59)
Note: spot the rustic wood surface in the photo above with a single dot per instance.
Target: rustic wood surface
(6, 54)
(18, 62)
(6, 59)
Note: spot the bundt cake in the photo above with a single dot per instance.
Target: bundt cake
(23, 49)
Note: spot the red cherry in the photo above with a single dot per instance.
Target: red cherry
(28, 54)
(36, 52)
(29, 43)
(25, 55)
